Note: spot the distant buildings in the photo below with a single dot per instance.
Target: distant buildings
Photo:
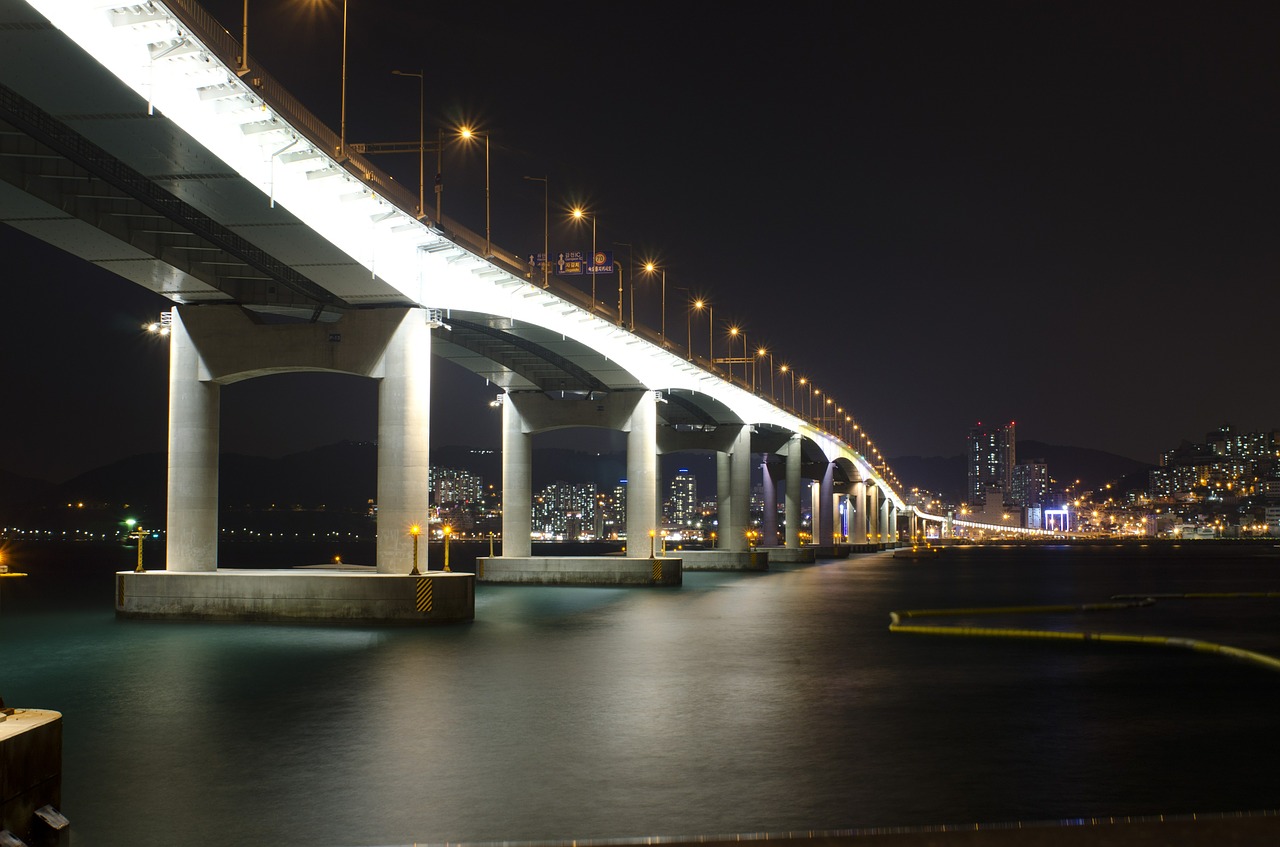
(1001, 491)
(1226, 465)
(992, 456)
(682, 500)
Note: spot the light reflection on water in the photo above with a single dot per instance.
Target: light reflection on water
(737, 703)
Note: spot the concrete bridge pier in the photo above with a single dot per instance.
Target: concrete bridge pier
(769, 522)
(888, 523)
(215, 345)
(859, 518)
(792, 501)
(642, 474)
(517, 482)
(873, 515)
(526, 413)
(191, 531)
(823, 506)
(404, 441)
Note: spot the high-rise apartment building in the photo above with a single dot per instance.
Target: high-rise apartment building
(684, 499)
(992, 456)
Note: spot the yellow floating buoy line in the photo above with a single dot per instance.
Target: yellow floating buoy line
(1120, 601)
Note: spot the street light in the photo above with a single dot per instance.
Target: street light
(728, 353)
(695, 306)
(415, 531)
(422, 139)
(761, 353)
(244, 43)
(578, 213)
(546, 258)
(633, 285)
(467, 133)
(140, 534)
(448, 530)
(649, 268)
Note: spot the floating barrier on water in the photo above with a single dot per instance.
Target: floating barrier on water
(1119, 601)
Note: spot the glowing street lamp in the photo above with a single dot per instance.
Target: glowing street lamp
(448, 531)
(415, 531)
(467, 134)
(696, 306)
(139, 533)
(650, 268)
(760, 354)
(578, 213)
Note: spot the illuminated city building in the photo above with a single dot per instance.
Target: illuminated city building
(683, 499)
(992, 456)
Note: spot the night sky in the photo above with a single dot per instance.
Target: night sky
(1060, 213)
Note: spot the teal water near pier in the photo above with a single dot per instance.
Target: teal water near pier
(738, 703)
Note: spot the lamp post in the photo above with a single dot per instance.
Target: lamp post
(650, 268)
(761, 353)
(579, 213)
(139, 533)
(342, 125)
(448, 530)
(711, 336)
(415, 531)
(467, 133)
(631, 267)
(546, 225)
(728, 353)
(422, 139)
(244, 43)
(695, 306)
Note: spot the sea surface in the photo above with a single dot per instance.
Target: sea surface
(738, 703)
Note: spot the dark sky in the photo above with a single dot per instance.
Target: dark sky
(1059, 213)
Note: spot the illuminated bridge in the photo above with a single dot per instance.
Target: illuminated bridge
(128, 138)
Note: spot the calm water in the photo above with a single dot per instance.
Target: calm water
(738, 703)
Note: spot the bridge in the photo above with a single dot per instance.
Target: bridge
(149, 146)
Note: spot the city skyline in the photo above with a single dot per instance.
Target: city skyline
(1062, 185)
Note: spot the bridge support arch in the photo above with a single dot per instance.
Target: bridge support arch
(211, 346)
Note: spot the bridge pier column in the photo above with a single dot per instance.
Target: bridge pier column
(769, 523)
(792, 493)
(192, 521)
(642, 474)
(740, 485)
(404, 441)
(517, 482)
(890, 522)
(873, 514)
(858, 520)
(885, 514)
(724, 500)
(824, 524)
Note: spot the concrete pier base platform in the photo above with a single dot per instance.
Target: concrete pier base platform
(359, 596)
(790, 555)
(31, 776)
(580, 570)
(725, 560)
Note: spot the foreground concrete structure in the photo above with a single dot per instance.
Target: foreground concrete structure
(300, 595)
(31, 777)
